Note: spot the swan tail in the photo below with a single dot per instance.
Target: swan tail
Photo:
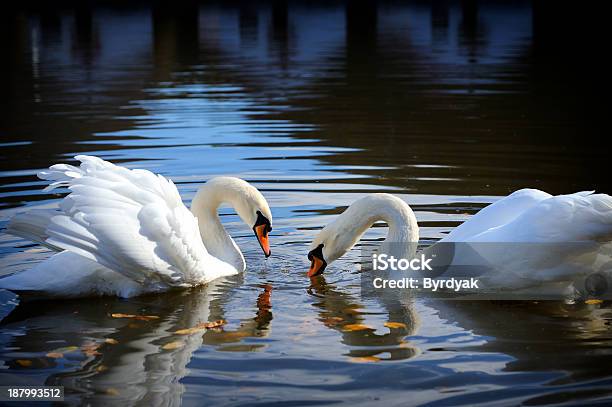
(32, 225)
(598, 218)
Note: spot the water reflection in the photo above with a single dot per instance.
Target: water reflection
(175, 37)
(567, 344)
(344, 313)
(448, 105)
(86, 41)
(256, 327)
(441, 97)
(136, 350)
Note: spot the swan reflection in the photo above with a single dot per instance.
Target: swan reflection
(539, 335)
(135, 351)
(345, 313)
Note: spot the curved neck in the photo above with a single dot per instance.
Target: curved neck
(403, 227)
(362, 214)
(217, 241)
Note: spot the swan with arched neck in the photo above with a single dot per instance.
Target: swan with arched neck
(126, 232)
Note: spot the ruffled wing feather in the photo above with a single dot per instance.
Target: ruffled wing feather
(131, 221)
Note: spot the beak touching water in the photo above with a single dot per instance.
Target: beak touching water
(317, 262)
(261, 232)
(262, 228)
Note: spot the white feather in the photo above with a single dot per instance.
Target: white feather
(132, 224)
(525, 239)
(33, 226)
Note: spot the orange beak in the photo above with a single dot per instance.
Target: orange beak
(317, 266)
(262, 237)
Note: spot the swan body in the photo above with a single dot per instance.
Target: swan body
(127, 232)
(576, 228)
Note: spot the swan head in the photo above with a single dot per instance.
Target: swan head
(247, 201)
(262, 228)
(342, 234)
(332, 242)
(253, 209)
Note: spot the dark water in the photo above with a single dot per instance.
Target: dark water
(448, 105)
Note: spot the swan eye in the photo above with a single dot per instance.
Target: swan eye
(262, 220)
(318, 252)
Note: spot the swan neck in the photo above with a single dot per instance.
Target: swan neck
(401, 221)
(403, 231)
(217, 241)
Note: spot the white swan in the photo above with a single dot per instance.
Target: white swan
(126, 232)
(514, 223)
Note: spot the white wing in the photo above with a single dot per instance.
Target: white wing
(131, 221)
(578, 217)
(32, 225)
(496, 214)
(500, 213)
(558, 239)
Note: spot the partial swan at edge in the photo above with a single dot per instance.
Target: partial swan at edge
(525, 216)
